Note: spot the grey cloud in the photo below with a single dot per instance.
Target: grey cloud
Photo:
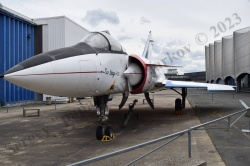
(144, 20)
(193, 67)
(96, 16)
(173, 45)
(124, 37)
(198, 55)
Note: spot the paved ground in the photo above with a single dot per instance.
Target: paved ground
(232, 145)
(67, 135)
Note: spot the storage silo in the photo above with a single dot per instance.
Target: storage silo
(207, 63)
(218, 61)
(228, 57)
(242, 51)
(211, 62)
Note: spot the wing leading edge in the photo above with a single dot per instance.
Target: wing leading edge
(187, 84)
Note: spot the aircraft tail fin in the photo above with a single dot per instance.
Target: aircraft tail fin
(148, 47)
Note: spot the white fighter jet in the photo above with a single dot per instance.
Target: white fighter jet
(97, 67)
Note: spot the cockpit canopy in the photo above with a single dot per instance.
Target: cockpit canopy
(102, 40)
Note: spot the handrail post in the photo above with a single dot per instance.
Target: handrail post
(249, 123)
(228, 122)
(189, 144)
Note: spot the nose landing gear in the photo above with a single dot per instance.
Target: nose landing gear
(104, 132)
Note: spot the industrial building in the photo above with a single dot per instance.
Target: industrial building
(172, 74)
(22, 37)
(196, 76)
(228, 60)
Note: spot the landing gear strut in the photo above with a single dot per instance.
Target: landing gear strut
(130, 113)
(103, 132)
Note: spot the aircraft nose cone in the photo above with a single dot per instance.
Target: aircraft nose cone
(14, 69)
(37, 78)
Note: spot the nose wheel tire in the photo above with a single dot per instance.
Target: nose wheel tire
(104, 133)
(109, 132)
(99, 133)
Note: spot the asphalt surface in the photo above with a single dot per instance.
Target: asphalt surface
(233, 145)
(67, 135)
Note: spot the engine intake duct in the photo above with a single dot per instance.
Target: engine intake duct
(134, 73)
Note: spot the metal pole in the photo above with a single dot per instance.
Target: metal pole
(189, 144)
(212, 97)
(55, 104)
(228, 122)
(132, 162)
(249, 122)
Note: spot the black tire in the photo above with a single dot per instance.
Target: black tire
(178, 105)
(99, 134)
(109, 132)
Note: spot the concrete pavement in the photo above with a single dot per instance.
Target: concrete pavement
(67, 135)
(232, 145)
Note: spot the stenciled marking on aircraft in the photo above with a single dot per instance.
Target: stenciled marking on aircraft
(111, 72)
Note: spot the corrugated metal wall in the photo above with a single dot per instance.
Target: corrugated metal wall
(16, 45)
(73, 32)
(53, 33)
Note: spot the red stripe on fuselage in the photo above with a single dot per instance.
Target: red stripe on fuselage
(87, 72)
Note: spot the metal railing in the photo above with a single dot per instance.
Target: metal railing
(17, 104)
(174, 136)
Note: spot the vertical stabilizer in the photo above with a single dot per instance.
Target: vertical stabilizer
(148, 47)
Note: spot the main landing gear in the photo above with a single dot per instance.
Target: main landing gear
(104, 132)
(180, 104)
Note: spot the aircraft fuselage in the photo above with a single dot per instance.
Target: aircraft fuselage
(83, 75)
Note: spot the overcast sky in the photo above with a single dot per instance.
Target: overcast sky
(180, 28)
